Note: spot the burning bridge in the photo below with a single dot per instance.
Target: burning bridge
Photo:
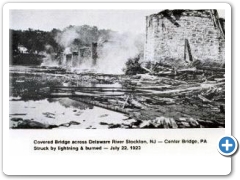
(75, 56)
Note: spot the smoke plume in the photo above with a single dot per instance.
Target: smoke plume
(116, 51)
(113, 48)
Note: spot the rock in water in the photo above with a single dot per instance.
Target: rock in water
(114, 126)
(28, 124)
(74, 123)
(16, 119)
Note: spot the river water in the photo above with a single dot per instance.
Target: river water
(64, 110)
(27, 105)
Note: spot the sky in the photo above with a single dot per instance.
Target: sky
(118, 20)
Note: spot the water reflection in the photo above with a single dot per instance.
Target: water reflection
(59, 111)
(69, 103)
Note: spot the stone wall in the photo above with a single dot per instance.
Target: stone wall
(166, 33)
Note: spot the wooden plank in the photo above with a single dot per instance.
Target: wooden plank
(187, 49)
(203, 98)
(173, 123)
(125, 102)
(193, 122)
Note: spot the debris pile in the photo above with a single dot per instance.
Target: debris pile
(162, 98)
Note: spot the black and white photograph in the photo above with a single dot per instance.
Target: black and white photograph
(107, 88)
(116, 69)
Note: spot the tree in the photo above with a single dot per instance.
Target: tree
(133, 66)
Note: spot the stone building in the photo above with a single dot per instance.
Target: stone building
(185, 35)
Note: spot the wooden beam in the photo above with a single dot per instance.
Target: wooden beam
(187, 49)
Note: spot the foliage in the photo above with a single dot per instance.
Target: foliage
(133, 66)
(54, 41)
(34, 40)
